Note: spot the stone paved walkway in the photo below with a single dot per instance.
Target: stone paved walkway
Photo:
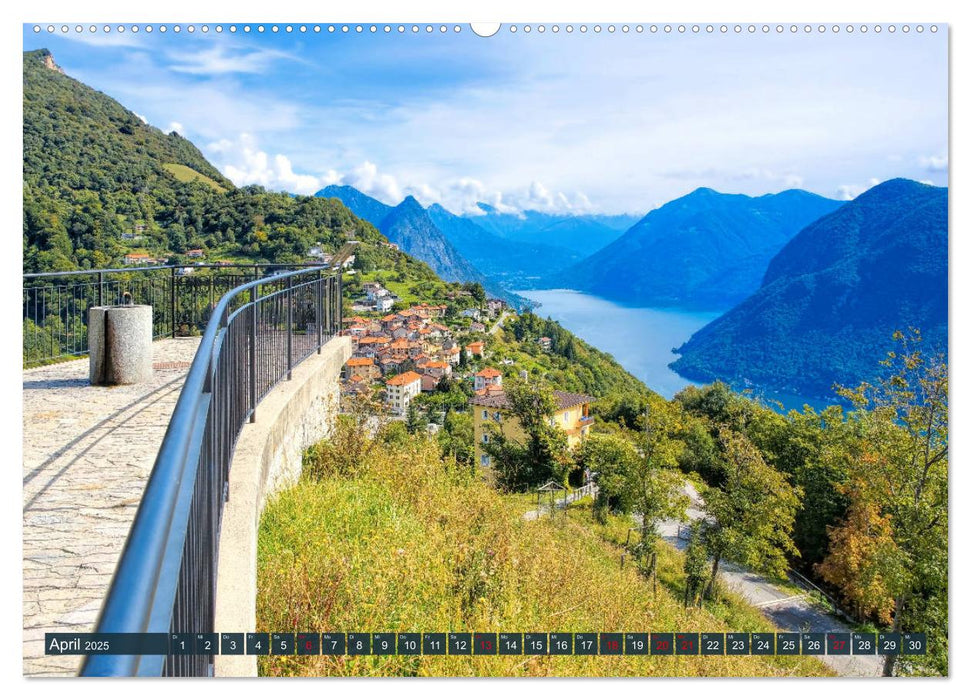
(87, 455)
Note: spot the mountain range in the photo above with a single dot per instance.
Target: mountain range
(511, 251)
(517, 264)
(832, 298)
(705, 250)
(580, 234)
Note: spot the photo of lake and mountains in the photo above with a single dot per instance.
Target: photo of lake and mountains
(532, 350)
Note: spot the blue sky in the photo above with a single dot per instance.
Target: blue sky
(557, 122)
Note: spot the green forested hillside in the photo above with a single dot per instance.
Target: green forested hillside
(94, 172)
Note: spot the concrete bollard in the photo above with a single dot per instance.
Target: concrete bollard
(119, 344)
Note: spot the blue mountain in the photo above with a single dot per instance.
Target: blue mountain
(364, 207)
(516, 264)
(410, 226)
(706, 250)
(832, 298)
(581, 235)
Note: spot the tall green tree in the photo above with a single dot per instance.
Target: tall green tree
(415, 421)
(695, 568)
(526, 446)
(655, 486)
(750, 516)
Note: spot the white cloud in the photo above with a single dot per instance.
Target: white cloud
(142, 117)
(245, 164)
(368, 180)
(176, 127)
(848, 192)
(219, 60)
(761, 177)
(934, 163)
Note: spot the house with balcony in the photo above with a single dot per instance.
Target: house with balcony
(489, 376)
(491, 413)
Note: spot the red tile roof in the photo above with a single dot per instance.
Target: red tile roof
(403, 379)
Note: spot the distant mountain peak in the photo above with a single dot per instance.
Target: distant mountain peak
(895, 187)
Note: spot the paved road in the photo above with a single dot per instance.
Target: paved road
(498, 324)
(787, 611)
(87, 454)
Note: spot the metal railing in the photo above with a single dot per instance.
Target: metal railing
(55, 304)
(165, 581)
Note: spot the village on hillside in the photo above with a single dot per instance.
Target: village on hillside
(423, 349)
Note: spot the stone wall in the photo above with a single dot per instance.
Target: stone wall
(295, 415)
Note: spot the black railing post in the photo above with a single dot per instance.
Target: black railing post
(339, 301)
(320, 312)
(101, 289)
(289, 328)
(172, 306)
(253, 294)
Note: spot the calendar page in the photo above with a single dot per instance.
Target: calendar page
(523, 349)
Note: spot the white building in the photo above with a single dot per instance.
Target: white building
(487, 377)
(401, 390)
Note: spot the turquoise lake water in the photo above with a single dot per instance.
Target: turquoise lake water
(641, 339)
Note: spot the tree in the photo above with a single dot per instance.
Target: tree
(814, 450)
(613, 459)
(527, 447)
(457, 437)
(655, 487)
(901, 470)
(864, 562)
(415, 422)
(749, 518)
(476, 290)
(695, 568)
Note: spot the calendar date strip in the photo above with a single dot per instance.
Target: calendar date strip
(491, 643)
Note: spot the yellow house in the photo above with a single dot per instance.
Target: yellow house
(491, 409)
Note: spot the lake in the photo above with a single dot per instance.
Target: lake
(640, 339)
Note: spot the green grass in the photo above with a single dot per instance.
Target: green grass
(383, 535)
(733, 613)
(183, 173)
